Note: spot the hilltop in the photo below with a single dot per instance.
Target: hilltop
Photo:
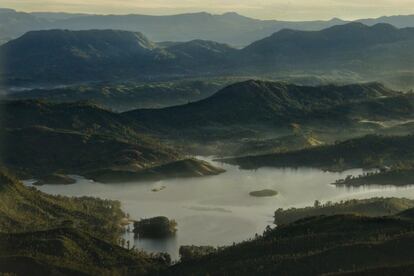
(42, 138)
(259, 102)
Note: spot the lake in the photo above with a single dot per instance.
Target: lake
(218, 210)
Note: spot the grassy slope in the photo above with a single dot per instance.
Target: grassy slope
(53, 235)
(24, 209)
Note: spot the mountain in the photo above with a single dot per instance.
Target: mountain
(42, 234)
(13, 24)
(257, 103)
(399, 21)
(59, 56)
(71, 56)
(86, 54)
(95, 140)
(352, 46)
(230, 28)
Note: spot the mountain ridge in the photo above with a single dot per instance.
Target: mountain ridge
(64, 56)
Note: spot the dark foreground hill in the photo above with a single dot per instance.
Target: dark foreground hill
(323, 245)
(48, 235)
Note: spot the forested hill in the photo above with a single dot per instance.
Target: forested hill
(40, 138)
(259, 102)
(322, 245)
(61, 56)
(366, 152)
(48, 235)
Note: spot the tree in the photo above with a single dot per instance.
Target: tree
(317, 204)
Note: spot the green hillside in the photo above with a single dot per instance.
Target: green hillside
(42, 234)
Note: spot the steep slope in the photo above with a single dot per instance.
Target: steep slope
(207, 53)
(85, 54)
(42, 234)
(26, 209)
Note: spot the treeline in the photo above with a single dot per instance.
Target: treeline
(372, 151)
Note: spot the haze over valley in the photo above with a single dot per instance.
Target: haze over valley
(205, 144)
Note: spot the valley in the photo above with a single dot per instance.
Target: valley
(218, 210)
(205, 144)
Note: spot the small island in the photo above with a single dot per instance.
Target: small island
(155, 228)
(264, 193)
(155, 190)
(55, 179)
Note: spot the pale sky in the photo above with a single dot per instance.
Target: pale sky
(263, 9)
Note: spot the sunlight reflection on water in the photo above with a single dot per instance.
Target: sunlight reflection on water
(218, 210)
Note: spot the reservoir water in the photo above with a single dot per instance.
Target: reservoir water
(218, 210)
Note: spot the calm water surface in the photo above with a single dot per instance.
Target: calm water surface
(218, 210)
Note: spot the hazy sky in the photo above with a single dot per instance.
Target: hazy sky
(264, 9)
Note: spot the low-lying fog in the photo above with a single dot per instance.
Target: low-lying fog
(218, 210)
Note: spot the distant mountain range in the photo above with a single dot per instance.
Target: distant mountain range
(230, 28)
(71, 56)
